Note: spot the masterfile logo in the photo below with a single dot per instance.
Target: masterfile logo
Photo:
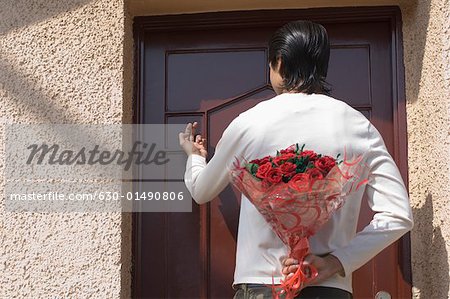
(109, 167)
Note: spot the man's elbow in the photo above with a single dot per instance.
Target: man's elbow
(406, 223)
(201, 199)
(409, 220)
(409, 224)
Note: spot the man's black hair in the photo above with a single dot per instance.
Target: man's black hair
(303, 49)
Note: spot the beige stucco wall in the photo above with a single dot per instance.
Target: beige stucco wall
(427, 50)
(70, 62)
(62, 62)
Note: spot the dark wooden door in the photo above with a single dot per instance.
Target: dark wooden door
(210, 67)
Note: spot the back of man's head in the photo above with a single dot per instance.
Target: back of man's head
(303, 50)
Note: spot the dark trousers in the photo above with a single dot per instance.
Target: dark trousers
(256, 291)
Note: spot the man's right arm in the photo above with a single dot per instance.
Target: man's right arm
(206, 180)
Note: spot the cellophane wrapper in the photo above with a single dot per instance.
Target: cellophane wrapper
(296, 211)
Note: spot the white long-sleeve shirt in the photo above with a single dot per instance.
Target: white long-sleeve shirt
(327, 126)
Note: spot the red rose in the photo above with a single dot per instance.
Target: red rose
(300, 182)
(324, 164)
(315, 173)
(274, 175)
(290, 149)
(261, 161)
(288, 168)
(263, 170)
(278, 160)
(311, 154)
(283, 158)
(288, 155)
(300, 177)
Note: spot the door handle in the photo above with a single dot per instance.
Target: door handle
(383, 295)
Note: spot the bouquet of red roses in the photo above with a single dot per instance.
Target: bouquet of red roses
(297, 191)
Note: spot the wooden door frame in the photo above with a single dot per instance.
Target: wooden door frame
(240, 19)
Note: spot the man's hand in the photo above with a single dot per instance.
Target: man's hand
(326, 267)
(192, 143)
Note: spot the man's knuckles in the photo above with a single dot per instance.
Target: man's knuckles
(290, 261)
(289, 269)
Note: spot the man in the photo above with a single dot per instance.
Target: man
(302, 112)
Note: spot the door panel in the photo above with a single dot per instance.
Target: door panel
(191, 70)
(209, 68)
